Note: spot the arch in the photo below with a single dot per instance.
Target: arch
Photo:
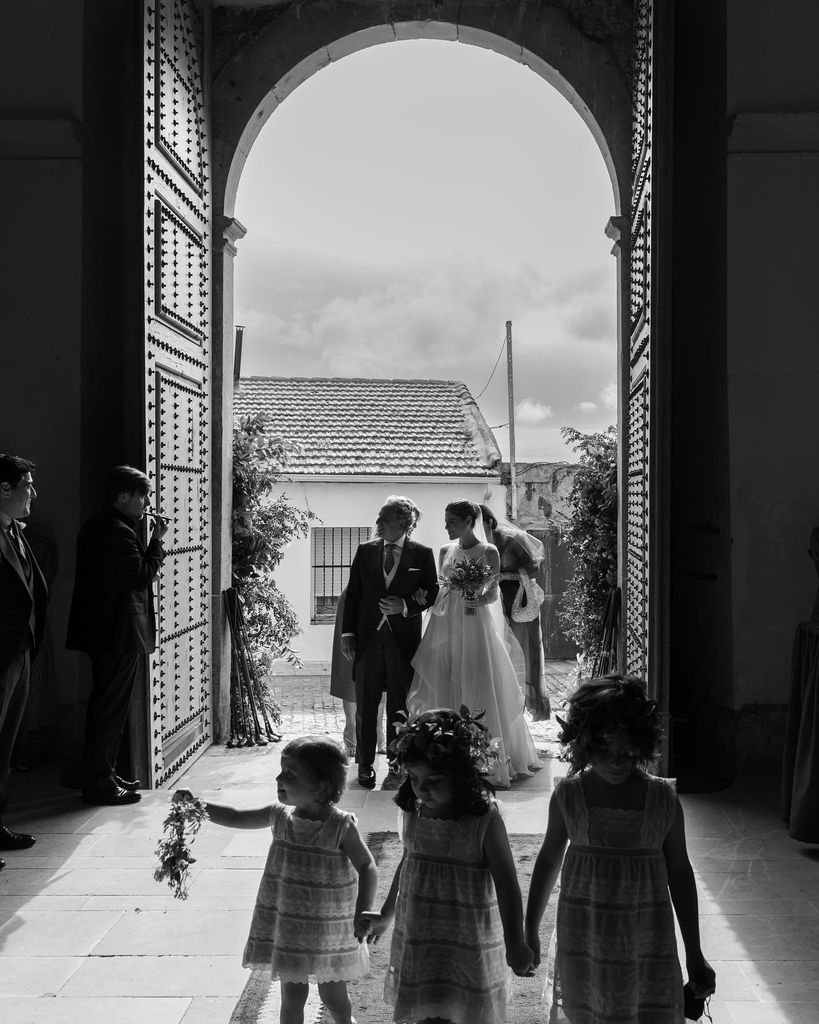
(583, 48)
(262, 55)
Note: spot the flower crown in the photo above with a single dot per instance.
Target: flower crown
(441, 733)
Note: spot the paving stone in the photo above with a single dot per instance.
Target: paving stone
(94, 1011)
(36, 975)
(129, 976)
(208, 932)
(44, 933)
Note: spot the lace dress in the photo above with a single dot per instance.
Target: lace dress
(448, 957)
(302, 926)
(613, 956)
(462, 659)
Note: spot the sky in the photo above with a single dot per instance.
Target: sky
(405, 202)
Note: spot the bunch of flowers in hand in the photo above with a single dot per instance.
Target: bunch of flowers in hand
(470, 577)
(183, 822)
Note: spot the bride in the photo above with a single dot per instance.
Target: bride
(462, 658)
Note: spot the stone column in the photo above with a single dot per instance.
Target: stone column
(226, 232)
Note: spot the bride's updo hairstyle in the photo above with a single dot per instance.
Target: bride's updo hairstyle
(464, 509)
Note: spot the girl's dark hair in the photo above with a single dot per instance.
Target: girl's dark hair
(457, 745)
(601, 707)
(324, 762)
(464, 509)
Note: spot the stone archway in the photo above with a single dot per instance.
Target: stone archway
(262, 53)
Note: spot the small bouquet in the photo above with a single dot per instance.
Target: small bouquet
(470, 577)
(183, 822)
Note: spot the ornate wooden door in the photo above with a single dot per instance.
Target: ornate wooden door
(644, 460)
(177, 243)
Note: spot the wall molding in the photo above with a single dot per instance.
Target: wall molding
(757, 132)
(40, 138)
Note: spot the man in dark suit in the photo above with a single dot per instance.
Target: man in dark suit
(392, 580)
(112, 620)
(23, 596)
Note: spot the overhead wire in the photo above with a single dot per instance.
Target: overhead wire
(492, 374)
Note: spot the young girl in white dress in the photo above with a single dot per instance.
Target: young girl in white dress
(613, 955)
(307, 924)
(462, 657)
(455, 896)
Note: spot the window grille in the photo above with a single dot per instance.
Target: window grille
(332, 550)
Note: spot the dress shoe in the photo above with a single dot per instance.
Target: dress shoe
(2, 863)
(110, 797)
(15, 840)
(395, 776)
(366, 776)
(131, 786)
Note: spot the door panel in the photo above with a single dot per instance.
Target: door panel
(177, 244)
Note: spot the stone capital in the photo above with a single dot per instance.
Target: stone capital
(617, 230)
(226, 232)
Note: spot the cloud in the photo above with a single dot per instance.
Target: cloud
(531, 412)
(608, 396)
(587, 406)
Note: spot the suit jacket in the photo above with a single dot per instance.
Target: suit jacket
(366, 587)
(18, 599)
(112, 608)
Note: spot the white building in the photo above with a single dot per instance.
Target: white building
(362, 440)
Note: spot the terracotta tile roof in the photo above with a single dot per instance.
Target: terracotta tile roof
(354, 427)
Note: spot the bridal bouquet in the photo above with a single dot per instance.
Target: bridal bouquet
(469, 578)
(184, 821)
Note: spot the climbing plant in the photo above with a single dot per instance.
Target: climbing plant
(590, 533)
(262, 527)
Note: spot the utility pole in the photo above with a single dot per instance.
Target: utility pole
(510, 388)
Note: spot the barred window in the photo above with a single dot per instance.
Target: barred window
(332, 550)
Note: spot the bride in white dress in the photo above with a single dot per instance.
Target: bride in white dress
(462, 657)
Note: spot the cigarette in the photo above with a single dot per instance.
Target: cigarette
(157, 515)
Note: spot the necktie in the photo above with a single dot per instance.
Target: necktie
(17, 542)
(389, 557)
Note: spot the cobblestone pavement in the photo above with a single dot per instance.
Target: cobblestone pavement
(307, 707)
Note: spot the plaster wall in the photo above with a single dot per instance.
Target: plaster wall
(41, 97)
(357, 504)
(773, 325)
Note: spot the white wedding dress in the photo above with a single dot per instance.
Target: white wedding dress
(462, 659)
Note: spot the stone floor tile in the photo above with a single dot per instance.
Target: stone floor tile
(9, 905)
(44, 933)
(209, 932)
(36, 975)
(758, 908)
(732, 983)
(126, 976)
(95, 1011)
(162, 900)
(782, 1013)
(742, 937)
(91, 882)
(211, 841)
(245, 843)
(208, 1010)
(224, 888)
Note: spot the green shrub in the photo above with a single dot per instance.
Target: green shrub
(590, 533)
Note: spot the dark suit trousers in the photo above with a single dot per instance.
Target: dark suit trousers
(14, 681)
(114, 676)
(381, 667)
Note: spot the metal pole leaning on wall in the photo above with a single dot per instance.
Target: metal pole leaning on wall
(510, 389)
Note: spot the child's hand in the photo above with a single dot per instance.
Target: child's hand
(376, 924)
(520, 958)
(363, 926)
(533, 942)
(702, 977)
(420, 597)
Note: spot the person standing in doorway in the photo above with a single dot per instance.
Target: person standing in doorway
(23, 597)
(112, 620)
(392, 580)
